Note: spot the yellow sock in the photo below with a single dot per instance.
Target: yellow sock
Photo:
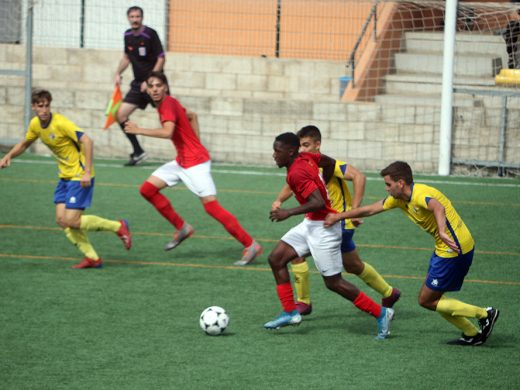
(80, 239)
(95, 223)
(462, 323)
(301, 282)
(458, 308)
(371, 277)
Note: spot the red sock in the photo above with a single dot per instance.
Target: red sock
(367, 304)
(161, 203)
(286, 296)
(229, 222)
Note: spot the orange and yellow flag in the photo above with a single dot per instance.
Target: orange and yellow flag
(113, 106)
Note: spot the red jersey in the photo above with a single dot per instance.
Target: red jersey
(304, 177)
(190, 151)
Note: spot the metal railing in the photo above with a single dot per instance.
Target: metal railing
(352, 59)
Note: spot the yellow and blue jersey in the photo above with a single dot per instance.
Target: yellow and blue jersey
(339, 194)
(62, 137)
(416, 209)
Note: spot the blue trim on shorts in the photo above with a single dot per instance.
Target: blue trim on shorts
(73, 194)
(447, 274)
(347, 242)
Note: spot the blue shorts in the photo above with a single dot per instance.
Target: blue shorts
(447, 274)
(73, 194)
(347, 243)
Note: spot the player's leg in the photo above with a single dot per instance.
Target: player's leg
(198, 179)
(300, 269)
(66, 218)
(131, 102)
(368, 274)
(292, 245)
(448, 275)
(325, 247)
(166, 175)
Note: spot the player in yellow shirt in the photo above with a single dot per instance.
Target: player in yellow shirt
(73, 150)
(430, 209)
(341, 200)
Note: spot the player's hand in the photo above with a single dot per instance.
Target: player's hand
(86, 180)
(448, 241)
(118, 79)
(278, 215)
(131, 127)
(356, 222)
(276, 205)
(330, 220)
(5, 162)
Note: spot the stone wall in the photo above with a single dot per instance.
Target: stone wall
(242, 102)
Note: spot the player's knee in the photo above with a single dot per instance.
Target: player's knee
(355, 267)
(60, 221)
(332, 283)
(426, 303)
(148, 190)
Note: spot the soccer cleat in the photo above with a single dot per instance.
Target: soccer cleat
(303, 308)
(284, 319)
(250, 254)
(124, 234)
(486, 324)
(383, 323)
(179, 236)
(392, 299)
(89, 263)
(478, 339)
(136, 159)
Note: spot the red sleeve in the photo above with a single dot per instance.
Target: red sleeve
(302, 182)
(168, 111)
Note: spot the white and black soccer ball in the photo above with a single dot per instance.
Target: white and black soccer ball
(214, 320)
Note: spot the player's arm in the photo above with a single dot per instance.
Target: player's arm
(15, 151)
(166, 131)
(284, 194)
(439, 212)
(360, 212)
(88, 149)
(194, 122)
(358, 180)
(314, 202)
(123, 64)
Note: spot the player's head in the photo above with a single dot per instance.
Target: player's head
(135, 16)
(41, 104)
(285, 149)
(397, 176)
(310, 139)
(157, 86)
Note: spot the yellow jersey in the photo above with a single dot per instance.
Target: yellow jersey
(339, 194)
(62, 137)
(416, 209)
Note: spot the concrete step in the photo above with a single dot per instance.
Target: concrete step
(432, 63)
(429, 83)
(483, 44)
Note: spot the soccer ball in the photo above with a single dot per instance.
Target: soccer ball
(214, 320)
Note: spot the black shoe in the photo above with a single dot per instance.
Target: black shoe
(136, 159)
(486, 324)
(468, 340)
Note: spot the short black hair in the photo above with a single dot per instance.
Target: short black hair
(135, 8)
(289, 139)
(398, 170)
(310, 131)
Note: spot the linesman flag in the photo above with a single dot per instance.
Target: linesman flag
(113, 106)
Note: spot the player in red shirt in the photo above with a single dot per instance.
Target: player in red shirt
(311, 237)
(192, 166)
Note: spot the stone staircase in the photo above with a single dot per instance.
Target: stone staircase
(417, 79)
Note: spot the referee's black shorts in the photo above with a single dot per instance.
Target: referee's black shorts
(135, 96)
